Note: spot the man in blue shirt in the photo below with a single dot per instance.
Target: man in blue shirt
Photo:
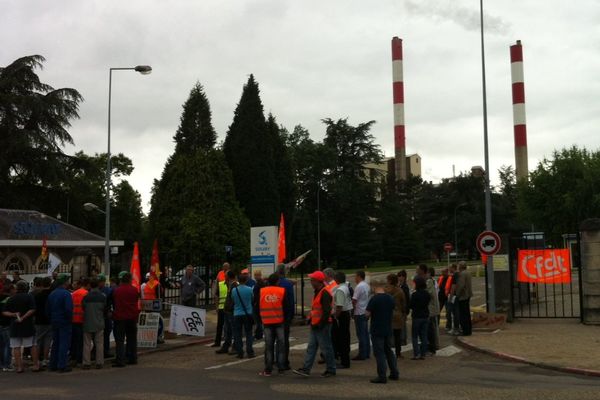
(381, 309)
(59, 309)
(288, 312)
(242, 317)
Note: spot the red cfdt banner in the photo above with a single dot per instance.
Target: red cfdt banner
(544, 266)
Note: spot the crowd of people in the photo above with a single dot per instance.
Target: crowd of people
(249, 309)
(61, 324)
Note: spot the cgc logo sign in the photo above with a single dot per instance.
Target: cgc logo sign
(544, 266)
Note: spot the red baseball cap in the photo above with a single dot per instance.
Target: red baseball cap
(318, 275)
(245, 271)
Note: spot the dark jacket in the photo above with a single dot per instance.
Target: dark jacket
(94, 311)
(289, 309)
(419, 304)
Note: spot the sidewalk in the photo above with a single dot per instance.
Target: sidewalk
(560, 344)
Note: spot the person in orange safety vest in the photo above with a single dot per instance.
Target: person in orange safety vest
(320, 332)
(271, 310)
(77, 321)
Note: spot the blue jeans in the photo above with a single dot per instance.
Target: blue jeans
(61, 342)
(5, 354)
(385, 356)
(362, 333)
(319, 338)
(272, 333)
(419, 331)
(242, 324)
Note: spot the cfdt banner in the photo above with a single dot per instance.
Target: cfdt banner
(544, 266)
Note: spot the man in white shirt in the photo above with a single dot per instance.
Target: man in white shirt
(360, 301)
(341, 324)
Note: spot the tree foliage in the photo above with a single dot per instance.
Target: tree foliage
(249, 152)
(194, 212)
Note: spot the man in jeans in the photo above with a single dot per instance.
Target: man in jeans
(360, 301)
(94, 310)
(271, 305)
(381, 310)
(242, 317)
(125, 316)
(320, 328)
(59, 308)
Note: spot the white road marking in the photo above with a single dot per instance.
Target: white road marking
(234, 363)
(448, 351)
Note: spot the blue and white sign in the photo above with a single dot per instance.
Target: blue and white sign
(263, 249)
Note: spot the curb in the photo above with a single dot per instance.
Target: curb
(510, 357)
(176, 346)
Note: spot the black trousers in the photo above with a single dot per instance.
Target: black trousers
(340, 333)
(464, 314)
(126, 331)
(220, 325)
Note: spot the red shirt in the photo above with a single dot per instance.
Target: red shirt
(125, 300)
(221, 276)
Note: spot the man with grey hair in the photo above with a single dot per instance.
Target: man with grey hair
(191, 286)
(340, 332)
(464, 292)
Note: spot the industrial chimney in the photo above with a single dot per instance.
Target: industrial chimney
(399, 137)
(518, 100)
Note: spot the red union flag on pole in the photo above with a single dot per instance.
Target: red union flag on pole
(154, 265)
(281, 254)
(544, 266)
(135, 267)
(297, 261)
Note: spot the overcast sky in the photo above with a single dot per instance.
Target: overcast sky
(319, 59)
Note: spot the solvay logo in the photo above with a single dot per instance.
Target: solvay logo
(544, 266)
(271, 298)
(262, 239)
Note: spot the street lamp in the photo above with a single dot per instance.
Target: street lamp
(491, 300)
(455, 231)
(144, 70)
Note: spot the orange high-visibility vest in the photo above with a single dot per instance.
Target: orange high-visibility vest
(316, 312)
(271, 305)
(331, 287)
(149, 292)
(448, 285)
(78, 296)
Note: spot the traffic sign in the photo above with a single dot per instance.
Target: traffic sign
(488, 243)
(448, 247)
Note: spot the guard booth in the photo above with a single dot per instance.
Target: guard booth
(542, 286)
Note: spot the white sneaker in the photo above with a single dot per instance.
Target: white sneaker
(9, 369)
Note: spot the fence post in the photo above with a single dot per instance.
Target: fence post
(590, 271)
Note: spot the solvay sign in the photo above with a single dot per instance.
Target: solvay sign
(263, 249)
(544, 266)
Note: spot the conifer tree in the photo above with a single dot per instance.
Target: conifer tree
(249, 152)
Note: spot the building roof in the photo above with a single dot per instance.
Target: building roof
(29, 228)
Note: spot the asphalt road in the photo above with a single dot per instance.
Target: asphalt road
(198, 373)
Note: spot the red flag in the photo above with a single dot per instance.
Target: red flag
(135, 267)
(281, 253)
(44, 250)
(154, 265)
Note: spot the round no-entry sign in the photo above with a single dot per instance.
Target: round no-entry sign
(448, 247)
(488, 243)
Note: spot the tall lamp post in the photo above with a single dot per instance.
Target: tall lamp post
(144, 70)
(456, 231)
(491, 297)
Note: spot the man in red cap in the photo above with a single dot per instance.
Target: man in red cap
(320, 332)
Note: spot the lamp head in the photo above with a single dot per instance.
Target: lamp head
(143, 69)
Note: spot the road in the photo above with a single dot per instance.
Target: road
(196, 372)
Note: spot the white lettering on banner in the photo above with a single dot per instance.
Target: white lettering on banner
(271, 298)
(545, 268)
(187, 320)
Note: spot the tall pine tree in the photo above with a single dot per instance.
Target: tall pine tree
(248, 149)
(194, 211)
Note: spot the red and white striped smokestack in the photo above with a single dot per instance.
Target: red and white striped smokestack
(518, 99)
(399, 137)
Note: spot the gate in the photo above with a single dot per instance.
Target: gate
(545, 300)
